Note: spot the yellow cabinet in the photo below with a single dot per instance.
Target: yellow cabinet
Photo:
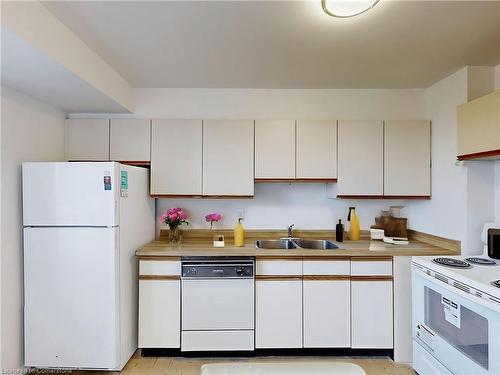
(479, 128)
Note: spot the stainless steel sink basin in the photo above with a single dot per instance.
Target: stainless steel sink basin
(275, 244)
(296, 243)
(315, 244)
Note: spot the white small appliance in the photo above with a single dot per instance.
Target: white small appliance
(82, 225)
(456, 315)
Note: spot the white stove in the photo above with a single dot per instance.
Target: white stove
(456, 314)
(477, 279)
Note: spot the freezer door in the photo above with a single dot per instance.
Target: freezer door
(70, 194)
(71, 312)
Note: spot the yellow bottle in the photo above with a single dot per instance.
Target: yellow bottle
(354, 224)
(239, 234)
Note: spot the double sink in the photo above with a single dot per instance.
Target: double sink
(296, 243)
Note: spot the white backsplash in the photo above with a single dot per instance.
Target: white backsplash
(275, 206)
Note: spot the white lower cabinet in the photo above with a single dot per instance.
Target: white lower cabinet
(372, 313)
(159, 304)
(278, 313)
(327, 313)
(159, 313)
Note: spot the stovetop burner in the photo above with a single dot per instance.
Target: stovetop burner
(496, 283)
(452, 262)
(481, 261)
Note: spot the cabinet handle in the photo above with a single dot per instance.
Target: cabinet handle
(278, 277)
(326, 277)
(372, 278)
(159, 277)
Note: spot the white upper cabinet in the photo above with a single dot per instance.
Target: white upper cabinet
(87, 139)
(361, 158)
(129, 140)
(407, 158)
(479, 128)
(228, 156)
(275, 149)
(176, 157)
(316, 149)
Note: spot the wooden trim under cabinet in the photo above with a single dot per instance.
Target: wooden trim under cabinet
(159, 277)
(277, 277)
(487, 155)
(372, 278)
(376, 258)
(384, 197)
(201, 196)
(326, 277)
(294, 180)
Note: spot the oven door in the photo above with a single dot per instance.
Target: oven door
(460, 330)
(217, 304)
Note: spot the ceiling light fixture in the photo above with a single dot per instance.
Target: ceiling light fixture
(347, 8)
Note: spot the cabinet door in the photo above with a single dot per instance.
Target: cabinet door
(316, 149)
(327, 312)
(87, 139)
(176, 157)
(407, 158)
(275, 149)
(371, 314)
(159, 314)
(228, 156)
(479, 126)
(278, 313)
(129, 140)
(361, 158)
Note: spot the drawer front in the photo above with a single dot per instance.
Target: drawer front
(217, 340)
(327, 267)
(363, 267)
(279, 267)
(159, 267)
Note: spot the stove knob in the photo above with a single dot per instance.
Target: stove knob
(240, 271)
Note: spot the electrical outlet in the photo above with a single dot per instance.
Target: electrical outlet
(240, 213)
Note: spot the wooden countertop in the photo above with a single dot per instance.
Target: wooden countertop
(161, 248)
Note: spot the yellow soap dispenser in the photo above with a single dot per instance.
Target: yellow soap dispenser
(354, 230)
(239, 234)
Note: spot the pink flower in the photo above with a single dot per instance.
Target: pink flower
(174, 217)
(213, 218)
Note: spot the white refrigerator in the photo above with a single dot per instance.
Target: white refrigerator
(82, 224)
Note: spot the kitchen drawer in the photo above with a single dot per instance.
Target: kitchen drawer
(217, 340)
(327, 267)
(279, 267)
(362, 266)
(159, 267)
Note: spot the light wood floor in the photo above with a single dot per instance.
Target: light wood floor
(190, 366)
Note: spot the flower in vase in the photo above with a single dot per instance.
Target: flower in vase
(213, 218)
(174, 217)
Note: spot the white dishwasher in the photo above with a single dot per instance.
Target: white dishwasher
(217, 303)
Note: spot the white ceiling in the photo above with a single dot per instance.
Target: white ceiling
(26, 69)
(285, 44)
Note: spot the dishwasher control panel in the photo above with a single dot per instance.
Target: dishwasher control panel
(218, 268)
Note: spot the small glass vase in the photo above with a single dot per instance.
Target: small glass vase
(174, 236)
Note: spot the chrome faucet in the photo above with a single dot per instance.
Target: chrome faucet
(290, 231)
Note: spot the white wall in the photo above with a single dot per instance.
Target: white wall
(462, 193)
(278, 205)
(31, 131)
(444, 214)
(275, 206)
(497, 163)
